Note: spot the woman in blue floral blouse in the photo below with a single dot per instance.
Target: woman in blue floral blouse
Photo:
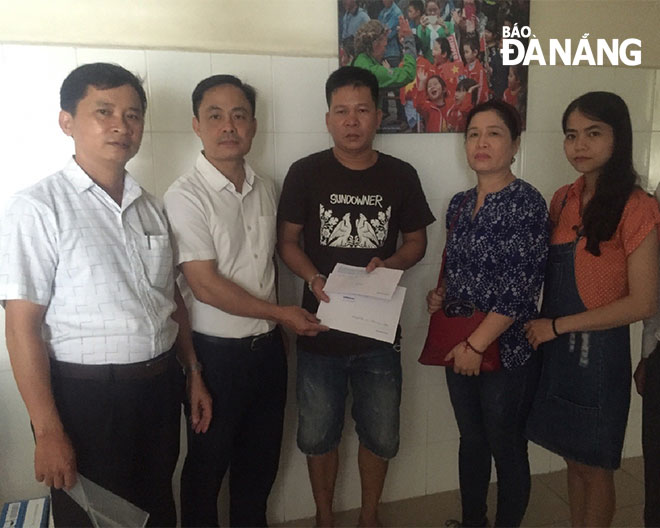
(496, 254)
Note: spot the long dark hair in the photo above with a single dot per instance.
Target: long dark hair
(617, 178)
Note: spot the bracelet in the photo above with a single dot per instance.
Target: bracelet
(195, 367)
(469, 345)
(554, 326)
(311, 281)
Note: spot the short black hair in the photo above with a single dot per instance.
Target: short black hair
(442, 81)
(473, 42)
(417, 4)
(351, 76)
(218, 80)
(465, 84)
(445, 48)
(505, 111)
(100, 75)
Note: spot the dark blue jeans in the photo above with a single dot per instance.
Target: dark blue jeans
(650, 435)
(247, 381)
(491, 410)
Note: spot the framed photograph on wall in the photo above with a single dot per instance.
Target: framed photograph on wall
(434, 59)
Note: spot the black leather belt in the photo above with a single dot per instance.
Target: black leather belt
(251, 342)
(114, 371)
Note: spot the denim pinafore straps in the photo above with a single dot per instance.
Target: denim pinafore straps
(581, 406)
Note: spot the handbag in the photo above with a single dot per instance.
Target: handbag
(454, 323)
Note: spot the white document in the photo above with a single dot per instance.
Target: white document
(380, 283)
(365, 316)
(104, 508)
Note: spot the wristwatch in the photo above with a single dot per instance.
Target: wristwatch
(195, 367)
(311, 281)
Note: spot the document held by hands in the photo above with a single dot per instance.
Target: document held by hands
(380, 283)
(360, 304)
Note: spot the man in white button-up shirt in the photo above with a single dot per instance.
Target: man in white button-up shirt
(223, 218)
(93, 313)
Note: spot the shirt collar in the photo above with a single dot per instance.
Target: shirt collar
(219, 181)
(511, 187)
(82, 182)
(575, 190)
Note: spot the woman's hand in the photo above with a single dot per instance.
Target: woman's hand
(539, 331)
(466, 361)
(434, 299)
(424, 21)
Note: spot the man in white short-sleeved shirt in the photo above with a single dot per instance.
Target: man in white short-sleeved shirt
(93, 312)
(223, 218)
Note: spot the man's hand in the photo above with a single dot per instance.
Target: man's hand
(300, 320)
(201, 404)
(640, 376)
(55, 460)
(375, 263)
(318, 283)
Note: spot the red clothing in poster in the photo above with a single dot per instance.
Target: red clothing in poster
(478, 74)
(435, 117)
(409, 91)
(511, 97)
(451, 73)
(457, 114)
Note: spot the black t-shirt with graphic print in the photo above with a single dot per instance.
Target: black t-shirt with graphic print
(350, 216)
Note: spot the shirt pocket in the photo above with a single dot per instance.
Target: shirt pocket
(158, 259)
(267, 235)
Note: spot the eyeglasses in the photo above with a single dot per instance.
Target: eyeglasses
(458, 308)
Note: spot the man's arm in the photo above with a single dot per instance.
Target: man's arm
(198, 397)
(288, 247)
(410, 252)
(54, 457)
(211, 288)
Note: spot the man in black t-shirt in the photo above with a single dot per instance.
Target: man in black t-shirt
(349, 203)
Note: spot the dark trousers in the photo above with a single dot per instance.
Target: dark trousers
(125, 434)
(491, 410)
(651, 439)
(247, 379)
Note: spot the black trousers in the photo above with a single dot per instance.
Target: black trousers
(651, 439)
(247, 379)
(125, 434)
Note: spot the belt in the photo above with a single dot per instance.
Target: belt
(114, 371)
(251, 342)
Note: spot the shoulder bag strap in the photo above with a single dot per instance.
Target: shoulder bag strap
(451, 227)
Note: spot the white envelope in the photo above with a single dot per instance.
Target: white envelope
(365, 316)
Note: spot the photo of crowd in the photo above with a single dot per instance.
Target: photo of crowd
(434, 59)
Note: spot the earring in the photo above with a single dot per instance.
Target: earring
(513, 160)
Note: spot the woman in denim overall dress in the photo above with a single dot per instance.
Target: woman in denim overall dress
(602, 276)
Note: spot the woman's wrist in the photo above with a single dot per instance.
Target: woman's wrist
(469, 346)
(554, 327)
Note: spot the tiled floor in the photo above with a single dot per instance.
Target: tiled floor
(548, 505)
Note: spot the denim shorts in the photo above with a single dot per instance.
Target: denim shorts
(322, 386)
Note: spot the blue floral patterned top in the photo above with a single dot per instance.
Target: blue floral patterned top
(497, 261)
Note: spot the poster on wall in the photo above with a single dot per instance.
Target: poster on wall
(434, 59)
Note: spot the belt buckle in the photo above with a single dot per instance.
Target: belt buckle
(255, 341)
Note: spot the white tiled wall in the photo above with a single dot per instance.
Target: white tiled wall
(290, 113)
